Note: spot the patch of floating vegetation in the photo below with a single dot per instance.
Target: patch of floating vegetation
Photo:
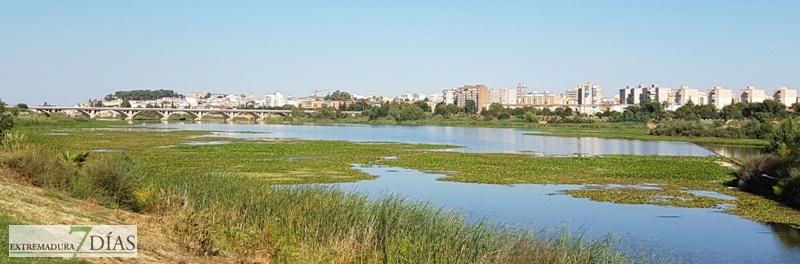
(201, 143)
(648, 195)
(712, 194)
(619, 186)
(237, 135)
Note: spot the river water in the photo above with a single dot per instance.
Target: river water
(698, 235)
(495, 140)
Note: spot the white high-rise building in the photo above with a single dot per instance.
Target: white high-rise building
(449, 96)
(752, 95)
(635, 95)
(720, 97)
(274, 100)
(785, 95)
(503, 96)
(522, 90)
(684, 95)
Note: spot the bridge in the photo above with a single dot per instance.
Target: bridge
(165, 113)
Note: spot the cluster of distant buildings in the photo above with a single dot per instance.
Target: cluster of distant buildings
(585, 98)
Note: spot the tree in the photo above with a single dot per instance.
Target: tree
(406, 112)
(125, 103)
(298, 112)
(496, 110)
(733, 111)
(530, 117)
(785, 139)
(642, 112)
(22, 106)
(338, 96)
(145, 94)
(471, 107)
(327, 112)
(441, 109)
(6, 119)
(359, 106)
(423, 105)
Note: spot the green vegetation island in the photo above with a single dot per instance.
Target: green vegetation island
(195, 209)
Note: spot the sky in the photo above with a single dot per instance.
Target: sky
(66, 52)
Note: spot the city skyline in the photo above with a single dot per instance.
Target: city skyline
(68, 52)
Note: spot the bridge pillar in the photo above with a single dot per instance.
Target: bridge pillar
(260, 116)
(199, 116)
(129, 114)
(164, 115)
(228, 116)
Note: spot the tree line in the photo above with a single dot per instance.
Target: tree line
(139, 95)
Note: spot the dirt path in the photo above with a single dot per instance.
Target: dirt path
(31, 205)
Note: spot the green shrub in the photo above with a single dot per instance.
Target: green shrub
(788, 190)
(38, 167)
(111, 179)
(759, 174)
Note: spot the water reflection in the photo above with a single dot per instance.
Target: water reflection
(788, 235)
(739, 152)
(493, 140)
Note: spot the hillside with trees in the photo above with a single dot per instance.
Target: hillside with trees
(142, 95)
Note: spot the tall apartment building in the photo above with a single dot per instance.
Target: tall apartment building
(785, 95)
(658, 93)
(503, 96)
(571, 96)
(435, 97)
(274, 100)
(752, 95)
(635, 95)
(449, 96)
(546, 98)
(720, 97)
(522, 90)
(684, 95)
(590, 94)
(478, 93)
(631, 95)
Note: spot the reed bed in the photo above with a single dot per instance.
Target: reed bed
(225, 214)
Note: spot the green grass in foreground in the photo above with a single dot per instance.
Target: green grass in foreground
(4, 223)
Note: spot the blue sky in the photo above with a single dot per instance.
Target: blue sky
(65, 52)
